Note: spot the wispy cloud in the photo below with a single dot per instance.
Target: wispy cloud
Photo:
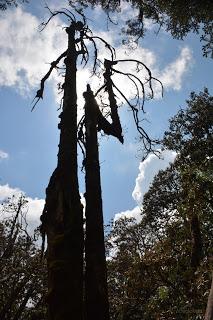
(3, 155)
(173, 75)
(132, 213)
(147, 170)
(24, 51)
(25, 54)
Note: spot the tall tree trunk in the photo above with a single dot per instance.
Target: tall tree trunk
(96, 293)
(209, 308)
(62, 218)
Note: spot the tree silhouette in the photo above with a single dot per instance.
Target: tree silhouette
(96, 293)
(23, 276)
(62, 217)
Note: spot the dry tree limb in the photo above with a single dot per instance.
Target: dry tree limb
(135, 107)
(114, 128)
(85, 34)
(93, 39)
(70, 16)
(150, 77)
(39, 94)
(130, 76)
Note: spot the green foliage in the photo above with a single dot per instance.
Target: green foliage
(190, 131)
(23, 275)
(5, 4)
(160, 268)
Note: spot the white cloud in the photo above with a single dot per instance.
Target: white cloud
(147, 170)
(25, 54)
(6, 191)
(134, 213)
(172, 75)
(34, 206)
(83, 202)
(3, 155)
(24, 51)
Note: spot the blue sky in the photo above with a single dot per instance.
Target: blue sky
(29, 140)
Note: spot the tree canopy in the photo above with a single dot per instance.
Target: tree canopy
(5, 4)
(23, 274)
(177, 17)
(161, 267)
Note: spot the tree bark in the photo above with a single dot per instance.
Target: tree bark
(62, 218)
(209, 308)
(96, 293)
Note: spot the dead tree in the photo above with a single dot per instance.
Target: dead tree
(62, 217)
(136, 104)
(96, 296)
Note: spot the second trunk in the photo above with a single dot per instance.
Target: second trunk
(96, 295)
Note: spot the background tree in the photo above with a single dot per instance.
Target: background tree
(161, 267)
(23, 275)
(5, 4)
(190, 135)
(209, 308)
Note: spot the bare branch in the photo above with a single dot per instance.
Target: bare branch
(39, 94)
(140, 96)
(81, 139)
(95, 54)
(150, 78)
(99, 90)
(70, 16)
(108, 46)
(130, 75)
